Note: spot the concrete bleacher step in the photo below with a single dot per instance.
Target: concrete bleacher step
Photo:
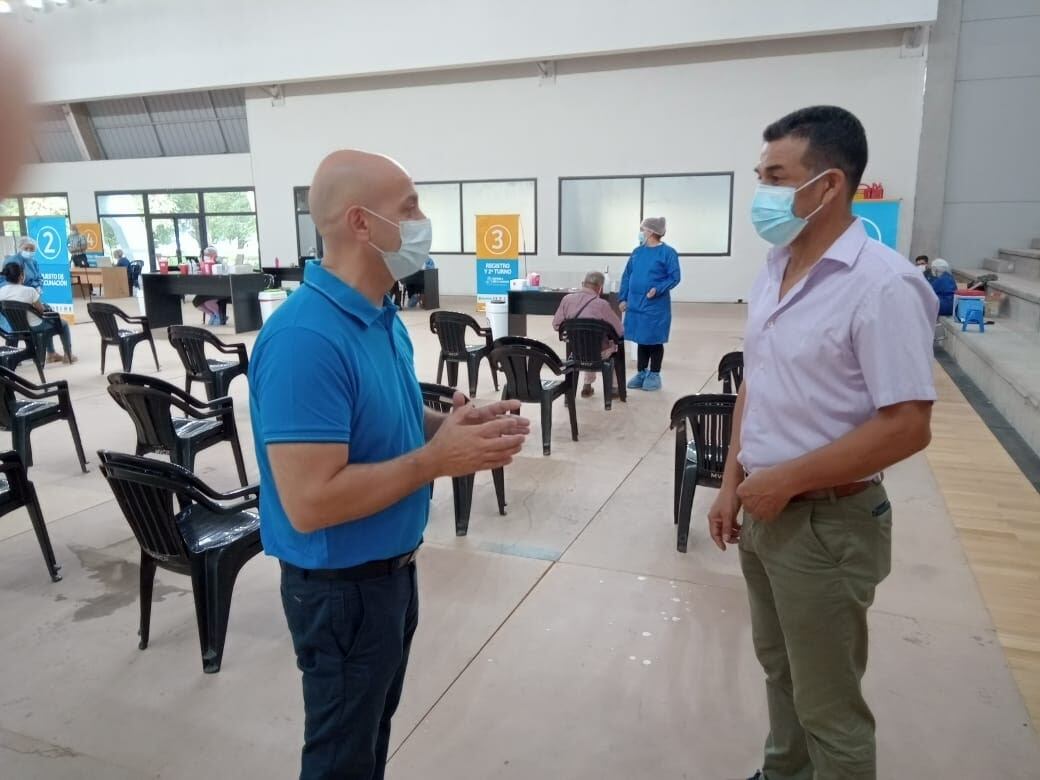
(1021, 302)
(967, 275)
(999, 265)
(1005, 364)
(1021, 262)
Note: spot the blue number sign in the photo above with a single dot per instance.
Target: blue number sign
(880, 219)
(52, 255)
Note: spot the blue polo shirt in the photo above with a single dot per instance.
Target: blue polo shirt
(328, 366)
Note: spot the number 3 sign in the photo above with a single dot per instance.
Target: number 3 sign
(498, 236)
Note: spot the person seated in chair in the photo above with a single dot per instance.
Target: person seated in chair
(120, 260)
(587, 304)
(42, 321)
(944, 284)
(415, 286)
(26, 259)
(214, 308)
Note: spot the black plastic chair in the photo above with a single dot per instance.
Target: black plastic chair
(35, 342)
(585, 338)
(703, 460)
(521, 360)
(439, 399)
(731, 372)
(17, 491)
(450, 328)
(215, 375)
(27, 406)
(209, 537)
(104, 316)
(149, 402)
(11, 355)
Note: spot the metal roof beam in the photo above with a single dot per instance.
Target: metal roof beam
(83, 131)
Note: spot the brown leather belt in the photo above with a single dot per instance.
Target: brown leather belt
(839, 491)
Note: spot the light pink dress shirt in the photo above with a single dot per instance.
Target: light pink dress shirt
(853, 336)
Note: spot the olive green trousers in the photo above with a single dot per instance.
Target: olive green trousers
(811, 575)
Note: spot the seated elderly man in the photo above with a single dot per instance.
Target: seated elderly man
(120, 260)
(587, 304)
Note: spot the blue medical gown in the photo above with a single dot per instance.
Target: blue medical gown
(945, 286)
(649, 320)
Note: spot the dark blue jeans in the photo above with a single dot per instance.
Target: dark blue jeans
(352, 641)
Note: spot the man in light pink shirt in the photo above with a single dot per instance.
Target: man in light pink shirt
(587, 304)
(837, 387)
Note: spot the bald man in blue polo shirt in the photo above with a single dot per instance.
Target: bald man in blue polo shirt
(347, 452)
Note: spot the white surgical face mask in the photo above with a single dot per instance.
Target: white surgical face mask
(27, 254)
(416, 239)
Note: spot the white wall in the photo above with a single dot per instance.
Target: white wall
(698, 110)
(993, 165)
(82, 179)
(147, 46)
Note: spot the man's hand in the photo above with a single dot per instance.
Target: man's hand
(766, 493)
(482, 414)
(623, 306)
(722, 519)
(475, 439)
(651, 293)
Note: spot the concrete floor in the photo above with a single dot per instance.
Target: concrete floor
(568, 640)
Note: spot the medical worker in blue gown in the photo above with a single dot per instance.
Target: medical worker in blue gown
(651, 273)
(945, 286)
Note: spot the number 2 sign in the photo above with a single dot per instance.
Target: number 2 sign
(52, 259)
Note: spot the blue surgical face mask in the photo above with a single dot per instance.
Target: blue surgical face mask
(642, 238)
(27, 254)
(772, 212)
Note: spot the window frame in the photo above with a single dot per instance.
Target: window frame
(21, 216)
(319, 247)
(459, 183)
(642, 200)
(200, 215)
(462, 214)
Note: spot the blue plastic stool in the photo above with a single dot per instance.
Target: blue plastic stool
(974, 316)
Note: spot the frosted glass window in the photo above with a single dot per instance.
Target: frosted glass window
(500, 197)
(440, 203)
(599, 216)
(697, 209)
(121, 203)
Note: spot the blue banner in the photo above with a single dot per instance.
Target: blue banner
(493, 277)
(880, 219)
(52, 256)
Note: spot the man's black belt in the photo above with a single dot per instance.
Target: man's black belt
(363, 571)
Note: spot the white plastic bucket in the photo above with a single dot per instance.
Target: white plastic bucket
(269, 301)
(497, 311)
